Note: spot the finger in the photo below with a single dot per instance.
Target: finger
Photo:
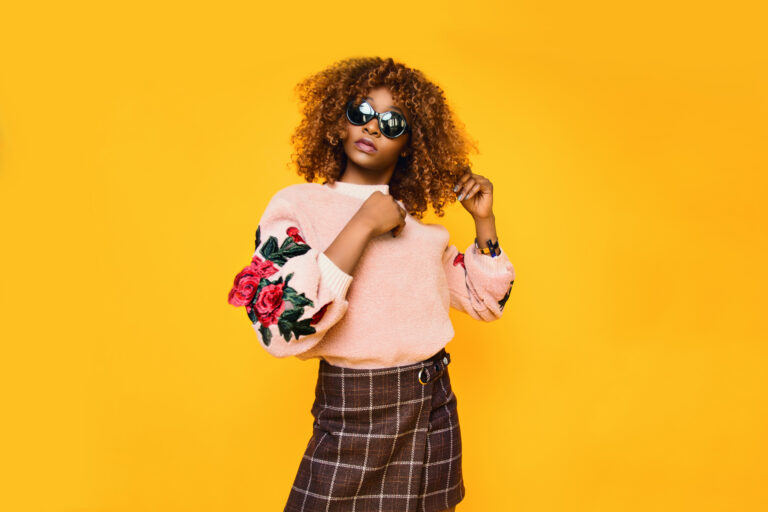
(473, 190)
(467, 191)
(485, 183)
(397, 229)
(466, 188)
(464, 177)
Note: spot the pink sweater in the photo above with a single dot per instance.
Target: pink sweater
(394, 309)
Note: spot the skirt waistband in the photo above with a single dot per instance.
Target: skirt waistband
(424, 371)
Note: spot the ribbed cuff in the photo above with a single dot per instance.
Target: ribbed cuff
(490, 264)
(333, 277)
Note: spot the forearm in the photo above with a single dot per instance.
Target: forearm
(346, 249)
(485, 229)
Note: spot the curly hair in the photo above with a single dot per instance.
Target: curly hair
(437, 153)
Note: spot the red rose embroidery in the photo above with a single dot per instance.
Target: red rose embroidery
(270, 304)
(459, 259)
(293, 232)
(319, 315)
(264, 268)
(247, 281)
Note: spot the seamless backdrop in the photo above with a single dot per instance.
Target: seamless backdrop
(140, 141)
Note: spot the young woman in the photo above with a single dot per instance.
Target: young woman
(345, 271)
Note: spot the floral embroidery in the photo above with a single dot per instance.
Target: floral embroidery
(274, 302)
(294, 233)
(247, 280)
(269, 304)
(459, 259)
(503, 301)
(319, 315)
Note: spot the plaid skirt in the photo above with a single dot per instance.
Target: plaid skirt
(383, 439)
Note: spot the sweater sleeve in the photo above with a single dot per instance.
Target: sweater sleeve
(479, 284)
(292, 292)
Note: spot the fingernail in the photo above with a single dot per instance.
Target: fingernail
(455, 188)
(462, 195)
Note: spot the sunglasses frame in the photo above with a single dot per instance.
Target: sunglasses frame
(377, 115)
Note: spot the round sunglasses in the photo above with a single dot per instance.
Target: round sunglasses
(392, 124)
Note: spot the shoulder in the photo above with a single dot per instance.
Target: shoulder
(299, 193)
(298, 196)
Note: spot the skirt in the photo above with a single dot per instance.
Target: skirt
(383, 439)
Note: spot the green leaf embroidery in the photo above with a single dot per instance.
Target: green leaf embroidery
(290, 248)
(269, 251)
(290, 315)
(285, 329)
(252, 314)
(302, 328)
(266, 335)
(299, 300)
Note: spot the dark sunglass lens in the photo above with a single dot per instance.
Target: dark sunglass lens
(359, 113)
(392, 124)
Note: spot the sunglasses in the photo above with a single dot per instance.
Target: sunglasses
(392, 124)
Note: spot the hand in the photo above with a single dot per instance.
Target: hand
(475, 193)
(381, 213)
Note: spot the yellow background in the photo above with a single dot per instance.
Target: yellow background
(627, 148)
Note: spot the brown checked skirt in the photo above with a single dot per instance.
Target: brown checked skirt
(383, 439)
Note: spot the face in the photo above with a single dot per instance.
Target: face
(387, 151)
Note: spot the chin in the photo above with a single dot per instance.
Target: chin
(361, 160)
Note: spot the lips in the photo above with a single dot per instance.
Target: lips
(366, 145)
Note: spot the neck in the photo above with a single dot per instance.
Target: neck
(353, 173)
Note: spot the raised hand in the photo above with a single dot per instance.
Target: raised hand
(475, 193)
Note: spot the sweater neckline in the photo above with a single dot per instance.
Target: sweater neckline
(358, 190)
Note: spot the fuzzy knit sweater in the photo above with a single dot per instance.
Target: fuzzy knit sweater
(394, 309)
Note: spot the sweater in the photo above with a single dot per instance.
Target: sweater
(393, 311)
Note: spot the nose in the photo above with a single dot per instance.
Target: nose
(372, 126)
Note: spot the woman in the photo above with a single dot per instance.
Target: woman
(346, 272)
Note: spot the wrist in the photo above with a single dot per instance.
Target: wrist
(490, 218)
(363, 225)
(486, 240)
(490, 247)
